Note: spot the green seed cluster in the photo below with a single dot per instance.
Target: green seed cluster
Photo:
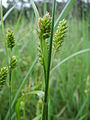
(10, 39)
(44, 31)
(13, 62)
(40, 54)
(44, 27)
(3, 75)
(11, 44)
(59, 35)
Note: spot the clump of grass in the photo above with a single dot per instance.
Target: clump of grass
(46, 30)
(12, 63)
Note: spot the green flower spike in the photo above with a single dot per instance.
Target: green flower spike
(40, 55)
(44, 31)
(44, 26)
(59, 35)
(3, 75)
(10, 39)
(13, 62)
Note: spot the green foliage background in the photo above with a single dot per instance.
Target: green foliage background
(68, 83)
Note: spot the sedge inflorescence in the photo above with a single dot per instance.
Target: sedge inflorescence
(44, 27)
(10, 39)
(44, 31)
(3, 75)
(13, 62)
(11, 44)
(60, 34)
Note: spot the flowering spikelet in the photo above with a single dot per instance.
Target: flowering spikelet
(13, 62)
(44, 27)
(3, 75)
(59, 35)
(10, 39)
(40, 54)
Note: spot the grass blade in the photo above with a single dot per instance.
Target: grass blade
(64, 12)
(1, 22)
(3, 29)
(18, 23)
(38, 117)
(69, 57)
(35, 10)
(7, 13)
(81, 109)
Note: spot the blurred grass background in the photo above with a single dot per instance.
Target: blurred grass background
(68, 83)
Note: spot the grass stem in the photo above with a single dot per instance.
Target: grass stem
(10, 90)
(45, 108)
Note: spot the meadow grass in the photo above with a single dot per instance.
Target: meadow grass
(68, 83)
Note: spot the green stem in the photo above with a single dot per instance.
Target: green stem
(2, 19)
(44, 68)
(24, 115)
(45, 107)
(10, 90)
(3, 29)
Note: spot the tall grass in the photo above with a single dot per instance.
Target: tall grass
(68, 78)
(46, 98)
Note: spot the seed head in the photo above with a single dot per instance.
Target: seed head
(10, 39)
(40, 54)
(13, 62)
(44, 27)
(3, 75)
(59, 35)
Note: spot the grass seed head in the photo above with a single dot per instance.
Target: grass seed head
(3, 75)
(44, 27)
(60, 34)
(10, 39)
(13, 62)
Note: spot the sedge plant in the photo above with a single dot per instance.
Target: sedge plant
(62, 15)
(46, 47)
(12, 61)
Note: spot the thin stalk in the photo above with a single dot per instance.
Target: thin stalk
(45, 108)
(43, 62)
(24, 115)
(20, 88)
(10, 92)
(10, 86)
(2, 18)
(3, 30)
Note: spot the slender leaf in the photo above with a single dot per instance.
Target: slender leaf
(64, 12)
(7, 13)
(35, 10)
(69, 57)
(81, 109)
